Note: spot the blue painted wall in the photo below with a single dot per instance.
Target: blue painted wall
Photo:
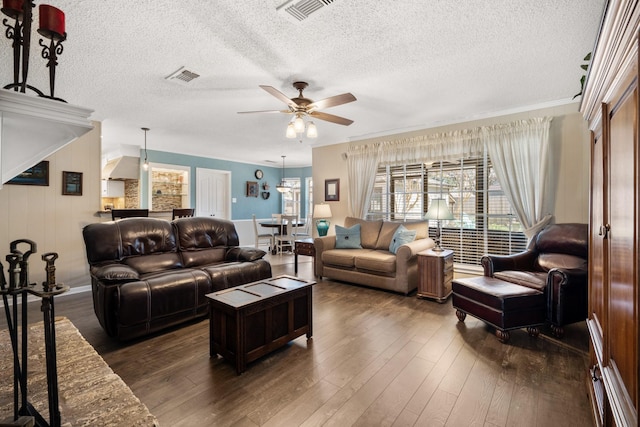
(240, 174)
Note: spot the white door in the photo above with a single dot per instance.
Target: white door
(213, 189)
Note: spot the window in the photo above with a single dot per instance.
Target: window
(483, 221)
(309, 185)
(291, 198)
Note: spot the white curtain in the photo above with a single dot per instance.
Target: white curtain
(435, 147)
(362, 165)
(519, 152)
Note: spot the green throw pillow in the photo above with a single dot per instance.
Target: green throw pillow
(348, 238)
(400, 237)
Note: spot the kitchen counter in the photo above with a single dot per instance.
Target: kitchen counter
(106, 215)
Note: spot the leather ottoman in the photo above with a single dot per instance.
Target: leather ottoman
(501, 304)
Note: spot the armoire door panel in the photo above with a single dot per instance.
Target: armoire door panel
(621, 330)
(597, 260)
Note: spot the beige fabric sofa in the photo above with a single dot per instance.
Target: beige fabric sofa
(374, 265)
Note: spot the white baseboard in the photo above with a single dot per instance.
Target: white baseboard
(71, 291)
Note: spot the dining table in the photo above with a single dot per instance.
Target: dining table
(282, 229)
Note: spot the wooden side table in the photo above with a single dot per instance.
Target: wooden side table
(304, 247)
(435, 271)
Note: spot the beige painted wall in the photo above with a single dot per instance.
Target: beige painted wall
(54, 221)
(570, 146)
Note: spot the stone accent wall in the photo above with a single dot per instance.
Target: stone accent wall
(131, 194)
(167, 191)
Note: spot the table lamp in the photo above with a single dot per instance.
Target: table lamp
(322, 212)
(438, 210)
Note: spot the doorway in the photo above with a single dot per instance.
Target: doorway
(213, 189)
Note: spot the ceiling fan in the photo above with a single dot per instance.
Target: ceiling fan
(301, 106)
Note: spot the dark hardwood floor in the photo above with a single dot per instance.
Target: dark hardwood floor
(375, 359)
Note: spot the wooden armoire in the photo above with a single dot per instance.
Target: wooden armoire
(610, 104)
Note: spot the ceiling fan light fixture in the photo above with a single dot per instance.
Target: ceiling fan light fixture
(291, 132)
(312, 130)
(298, 124)
(282, 187)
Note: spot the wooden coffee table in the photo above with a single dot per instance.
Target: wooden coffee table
(251, 320)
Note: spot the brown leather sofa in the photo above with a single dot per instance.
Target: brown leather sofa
(556, 264)
(148, 274)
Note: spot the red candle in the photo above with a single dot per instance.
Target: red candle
(12, 8)
(51, 21)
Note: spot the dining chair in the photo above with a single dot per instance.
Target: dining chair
(288, 234)
(304, 231)
(264, 237)
(128, 213)
(182, 213)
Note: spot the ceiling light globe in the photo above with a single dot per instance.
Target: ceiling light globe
(312, 130)
(298, 125)
(291, 132)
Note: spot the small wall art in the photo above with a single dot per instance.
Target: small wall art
(331, 190)
(72, 183)
(36, 175)
(252, 189)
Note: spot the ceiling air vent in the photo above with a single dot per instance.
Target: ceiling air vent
(182, 76)
(297, 11)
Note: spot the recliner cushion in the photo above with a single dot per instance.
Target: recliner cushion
(572, 239)
(529, 279)
(548, 261)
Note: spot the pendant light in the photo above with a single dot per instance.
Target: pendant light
(282, 187)
(145, 165)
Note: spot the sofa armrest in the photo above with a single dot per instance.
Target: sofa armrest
(411, 249)
(114, 273)
(407, 260)
(520, 261)
(322, 244)
(244, 254)
(567, 297)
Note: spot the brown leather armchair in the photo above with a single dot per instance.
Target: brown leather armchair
(556, 264)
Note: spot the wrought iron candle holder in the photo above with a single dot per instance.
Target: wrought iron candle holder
(52, 27)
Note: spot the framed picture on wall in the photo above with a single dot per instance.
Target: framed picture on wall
(37, 175)
(72, 183)
(331, 190)
(252, 189)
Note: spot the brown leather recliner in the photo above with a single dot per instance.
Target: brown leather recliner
(556, 264)
(148, 274)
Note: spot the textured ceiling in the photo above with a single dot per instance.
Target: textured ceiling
(410, 64)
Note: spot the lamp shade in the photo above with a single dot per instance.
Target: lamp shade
(438, 210)
(322, 210)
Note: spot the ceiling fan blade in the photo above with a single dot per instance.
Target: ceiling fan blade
(332, 101)
(281, 96)
(330, 118)
(265, 111)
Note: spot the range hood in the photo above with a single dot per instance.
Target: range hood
(125, 167)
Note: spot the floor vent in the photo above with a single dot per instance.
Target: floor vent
(182, 76)
(298, 11)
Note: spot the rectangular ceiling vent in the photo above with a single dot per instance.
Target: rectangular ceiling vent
(182, 76)
(298, 11)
